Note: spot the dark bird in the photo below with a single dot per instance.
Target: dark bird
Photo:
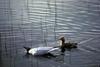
(68, 45)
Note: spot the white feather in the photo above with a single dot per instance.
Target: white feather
(40, 50)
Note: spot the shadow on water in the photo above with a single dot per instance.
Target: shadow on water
(56, 58)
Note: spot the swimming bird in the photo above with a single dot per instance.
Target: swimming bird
(44, 50)
(68, 45)
(47, 50)
(40, 50)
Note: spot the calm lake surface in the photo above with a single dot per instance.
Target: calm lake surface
(35, 23)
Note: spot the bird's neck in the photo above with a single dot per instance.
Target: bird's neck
(61, 42)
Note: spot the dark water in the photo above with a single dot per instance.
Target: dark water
(37, 23)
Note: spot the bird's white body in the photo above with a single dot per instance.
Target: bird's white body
(47, 50)
(41, 50)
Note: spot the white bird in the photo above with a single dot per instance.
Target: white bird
(44, 50)
(40, 50)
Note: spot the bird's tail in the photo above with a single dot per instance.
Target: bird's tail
(27, 49)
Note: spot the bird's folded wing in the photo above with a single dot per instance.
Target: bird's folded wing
(54, 49)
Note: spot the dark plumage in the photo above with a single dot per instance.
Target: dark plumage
(67, 45)
(27, 49)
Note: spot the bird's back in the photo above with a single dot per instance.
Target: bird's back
(40, 50)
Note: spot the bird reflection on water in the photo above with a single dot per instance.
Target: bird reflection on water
(57, 58)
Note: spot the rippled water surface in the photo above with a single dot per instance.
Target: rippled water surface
(35, 23)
